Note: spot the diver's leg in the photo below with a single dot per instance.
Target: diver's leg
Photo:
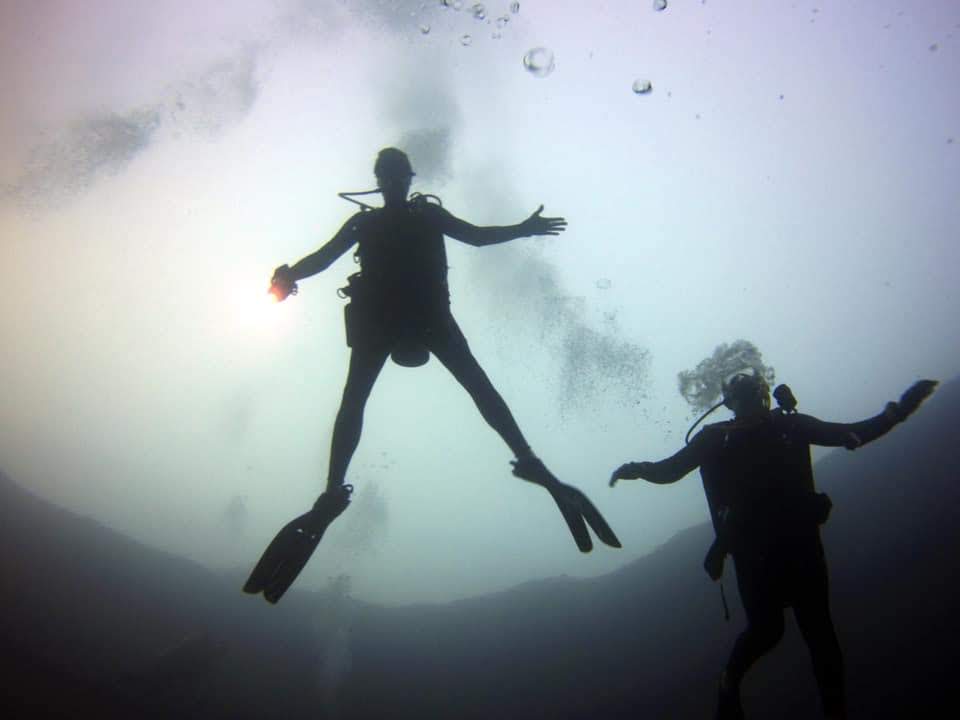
(365, 365)
(446, 341)
(449, 345)
(764, 630)
(812, 611)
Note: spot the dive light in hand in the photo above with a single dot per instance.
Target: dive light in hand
(282, 285)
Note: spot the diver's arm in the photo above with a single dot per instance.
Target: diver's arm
(848, 435)
(668, 470)
(478, 236)
(853, 435)
(323, 258)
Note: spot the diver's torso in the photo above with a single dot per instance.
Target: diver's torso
(402, 257)
(762, 473)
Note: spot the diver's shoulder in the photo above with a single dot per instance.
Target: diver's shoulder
(363, 219)
(712, 431)
(717, 426)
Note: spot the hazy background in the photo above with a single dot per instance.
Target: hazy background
(791, 179)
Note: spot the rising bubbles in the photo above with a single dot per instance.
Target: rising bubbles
(538, 61)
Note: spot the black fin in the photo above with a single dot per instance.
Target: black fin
(594, 519)
(573, 517)
(288, 547)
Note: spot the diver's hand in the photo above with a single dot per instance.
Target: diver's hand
(631, 471)
(913, 397)
(282, 284)
(538, 225)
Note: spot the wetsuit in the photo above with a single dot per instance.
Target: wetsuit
(759, 484)
(402, 296)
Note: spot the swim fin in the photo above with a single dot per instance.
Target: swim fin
(288, 553)
(576, 508)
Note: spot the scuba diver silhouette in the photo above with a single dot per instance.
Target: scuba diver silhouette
(400, 307)
(758, 479)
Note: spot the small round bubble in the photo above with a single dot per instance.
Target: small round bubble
(539, 62)
(642, 87)
(659, 5)
(466, 40)
(514, 7)
(479, 11)
(425, 29)
(502, 22)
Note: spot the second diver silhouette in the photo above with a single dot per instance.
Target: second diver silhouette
(400, 308)
(758, 479)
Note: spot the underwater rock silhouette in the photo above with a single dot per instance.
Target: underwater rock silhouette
(93, 620)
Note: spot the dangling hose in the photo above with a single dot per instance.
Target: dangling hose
(415, 198)
(700, 419)
(348, 196)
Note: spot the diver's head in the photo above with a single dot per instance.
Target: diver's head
(394, 174)
(746, 393)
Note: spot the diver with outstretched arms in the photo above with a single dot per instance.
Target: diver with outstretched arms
(400, 307)
(758, 479)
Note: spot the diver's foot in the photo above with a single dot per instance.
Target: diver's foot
(532, 469)
(329, 506)
(728, 701)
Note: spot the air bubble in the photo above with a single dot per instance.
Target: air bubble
(479, 11)
(659, 5)
(466, 40)
(539, 61)
(502, 22)
(514, 7)
(642, 87)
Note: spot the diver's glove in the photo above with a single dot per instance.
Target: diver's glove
(631, 471)
(282, 284)
(911, 399)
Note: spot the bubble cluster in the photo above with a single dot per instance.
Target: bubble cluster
(539, 62)
(642, 87)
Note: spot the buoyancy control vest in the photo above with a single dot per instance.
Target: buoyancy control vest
(401, 289)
